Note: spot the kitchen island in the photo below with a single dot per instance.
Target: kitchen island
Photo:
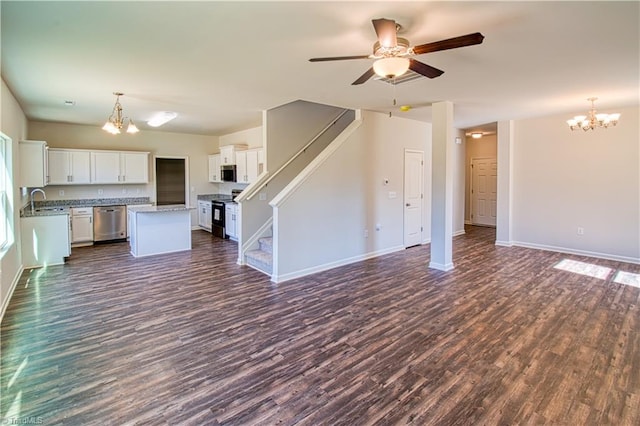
(159, 229)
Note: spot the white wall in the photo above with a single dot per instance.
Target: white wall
(251, 137)
(13, 123)
(195, 147)
(323, 222)
(566, 179)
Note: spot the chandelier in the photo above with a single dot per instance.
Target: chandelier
(116, 120)
(593, 120)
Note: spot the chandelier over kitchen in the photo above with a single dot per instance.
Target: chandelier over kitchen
(116, 121)
(593, 120)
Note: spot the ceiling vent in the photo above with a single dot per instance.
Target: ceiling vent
(404, 78)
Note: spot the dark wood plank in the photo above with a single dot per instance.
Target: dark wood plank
(193, 338)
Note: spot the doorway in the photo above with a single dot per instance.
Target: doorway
(172, 180)
(413, 198)
(484, 190)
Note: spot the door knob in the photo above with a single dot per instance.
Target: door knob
(407, 204)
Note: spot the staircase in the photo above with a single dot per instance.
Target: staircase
(262, 258)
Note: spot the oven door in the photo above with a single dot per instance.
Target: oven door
(217, 219)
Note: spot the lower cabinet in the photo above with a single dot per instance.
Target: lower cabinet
(231, 221)
(82, 225)
(45, 240)
(204, 215)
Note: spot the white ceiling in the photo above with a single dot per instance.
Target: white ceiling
(219, 64)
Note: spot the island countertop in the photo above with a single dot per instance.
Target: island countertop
(160, 209)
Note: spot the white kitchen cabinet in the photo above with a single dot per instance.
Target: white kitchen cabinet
(248, 166)
(119, 167)
(69, 167)
(204, 215)
(34, 163)
(228, 154)
(231, 220)
(214, 169)
(81, 225)
(45, 240)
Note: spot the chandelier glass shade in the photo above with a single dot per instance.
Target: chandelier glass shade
(391, 67)
(593, 120)
(116, 120)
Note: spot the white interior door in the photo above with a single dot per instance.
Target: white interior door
(484, 189)
(413, 190)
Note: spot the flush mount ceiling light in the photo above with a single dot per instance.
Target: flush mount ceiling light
(161, 118)
(391, 67)
(476, 135)
(116, 121)
(593, 120)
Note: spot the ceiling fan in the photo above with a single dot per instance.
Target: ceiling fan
(393, 53)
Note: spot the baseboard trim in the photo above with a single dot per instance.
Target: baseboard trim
(596, 255)
(324, 267)
(444, 267)
(14, 284)
(459, 232)
(504, 243)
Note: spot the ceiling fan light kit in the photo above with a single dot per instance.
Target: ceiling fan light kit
(593, 120)
(116, 120)
(391, 67)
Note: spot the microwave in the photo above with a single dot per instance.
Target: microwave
(228, 173)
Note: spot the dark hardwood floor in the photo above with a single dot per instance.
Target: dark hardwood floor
(192, 338)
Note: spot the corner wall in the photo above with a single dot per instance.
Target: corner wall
(13, 123)
(564, 179)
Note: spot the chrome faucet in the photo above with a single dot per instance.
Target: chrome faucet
(33, 192)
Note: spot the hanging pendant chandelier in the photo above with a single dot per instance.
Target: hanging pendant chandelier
(116, 120)
(593, 120)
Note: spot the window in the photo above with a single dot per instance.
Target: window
(5, 188)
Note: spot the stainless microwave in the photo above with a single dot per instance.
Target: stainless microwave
(228, 173)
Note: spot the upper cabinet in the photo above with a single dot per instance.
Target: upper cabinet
(33, 164)
(228, 154)
(214, 169)
(69, 167)
(249, 165)
(119, 167)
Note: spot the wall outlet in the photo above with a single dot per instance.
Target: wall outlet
(262, 196)
(580, 230)
(100, 191)
(392, 194)
(366, 233)
(61, 192)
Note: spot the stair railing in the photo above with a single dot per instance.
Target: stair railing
(272, 176)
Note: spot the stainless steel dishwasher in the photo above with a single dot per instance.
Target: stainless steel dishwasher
(109, 223)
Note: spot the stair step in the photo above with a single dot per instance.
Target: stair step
(260, 259)
(266, 244)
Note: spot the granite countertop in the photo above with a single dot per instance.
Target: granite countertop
(160, 209)
(56, 207)
(216, 197)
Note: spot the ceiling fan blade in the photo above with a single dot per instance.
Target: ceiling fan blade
(450, 43)
(424, 69)
(364, 77)
(386, 32)
(338, 58)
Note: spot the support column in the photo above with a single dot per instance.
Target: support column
(442, 186)
(505, 184)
